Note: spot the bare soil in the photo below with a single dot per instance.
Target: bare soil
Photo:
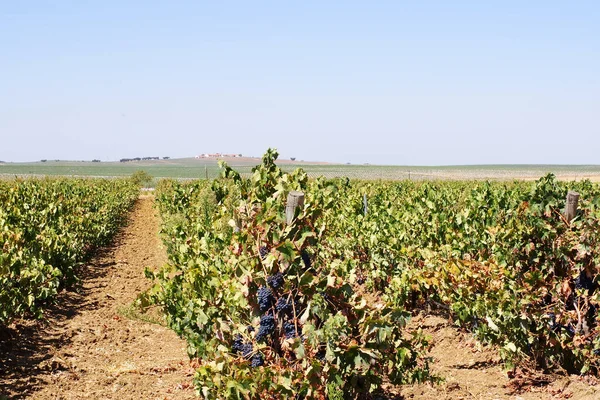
(90, 346)
(471, 370)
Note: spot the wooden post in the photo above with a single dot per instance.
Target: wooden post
(206, 172)
(365, 205)
(294, 200)
(571, 208)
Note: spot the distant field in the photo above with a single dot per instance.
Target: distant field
(190, 168)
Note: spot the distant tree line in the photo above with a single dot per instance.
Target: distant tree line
(94, 160)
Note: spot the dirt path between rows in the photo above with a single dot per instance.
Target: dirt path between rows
(93, 344)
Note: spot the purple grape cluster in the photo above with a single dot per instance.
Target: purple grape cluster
(289, 328)
(239, 346)
(321, 353)
(275, 281)
(265, 298)
(257, 360)
(325, 296)
(585, 282)
(592, 313)
(247, 349)
(283, 305)
(306, 259)
(276, 306)
(266, 328)
(238, 341)
(263, 251)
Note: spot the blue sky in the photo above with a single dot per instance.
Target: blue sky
(390, 82)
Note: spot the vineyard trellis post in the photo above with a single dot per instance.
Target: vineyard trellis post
(294, 200)
(571, 208)
(365, 204)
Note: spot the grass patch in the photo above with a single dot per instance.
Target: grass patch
(151, 315)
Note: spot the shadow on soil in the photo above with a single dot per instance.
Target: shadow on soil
(27, 346)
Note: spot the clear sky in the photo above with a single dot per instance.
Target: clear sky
(392, 82)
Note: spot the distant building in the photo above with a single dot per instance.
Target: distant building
(216, 155)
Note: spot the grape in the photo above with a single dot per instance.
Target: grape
(257, 360)
(275, 281)
(267, 321)
(246, 349)
(238, 343)
(597, 352)
(584, 282)
(360, 280)
(290, 330)
(266, 328)
(553, 325)
(239, 346)
(474, 323)
(321, 354)
(305, 259)
(592, 313)
(283, 305)
(325, 296)
(263, 251)
(265, 298)
(250, 328)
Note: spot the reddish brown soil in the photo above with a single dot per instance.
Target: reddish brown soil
(473, 371)
(89, 346)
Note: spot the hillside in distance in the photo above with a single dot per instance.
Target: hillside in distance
(194, 168)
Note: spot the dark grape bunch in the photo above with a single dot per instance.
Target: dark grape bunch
(246, 350)
(266, 328)
(239, 346)
(557, 327)
(283, 305)
(289, 328)
(321, 353)
(584, 282)
(553, 325)
(238, 341)
(263, 251)
(275, 281)
(265, 298)
(257, 360)
(305, 259)
(325, 295)
(592, 313)
(269, 296)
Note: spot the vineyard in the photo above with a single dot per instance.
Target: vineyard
(47, 228)
(290, 287)
(316, 305)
